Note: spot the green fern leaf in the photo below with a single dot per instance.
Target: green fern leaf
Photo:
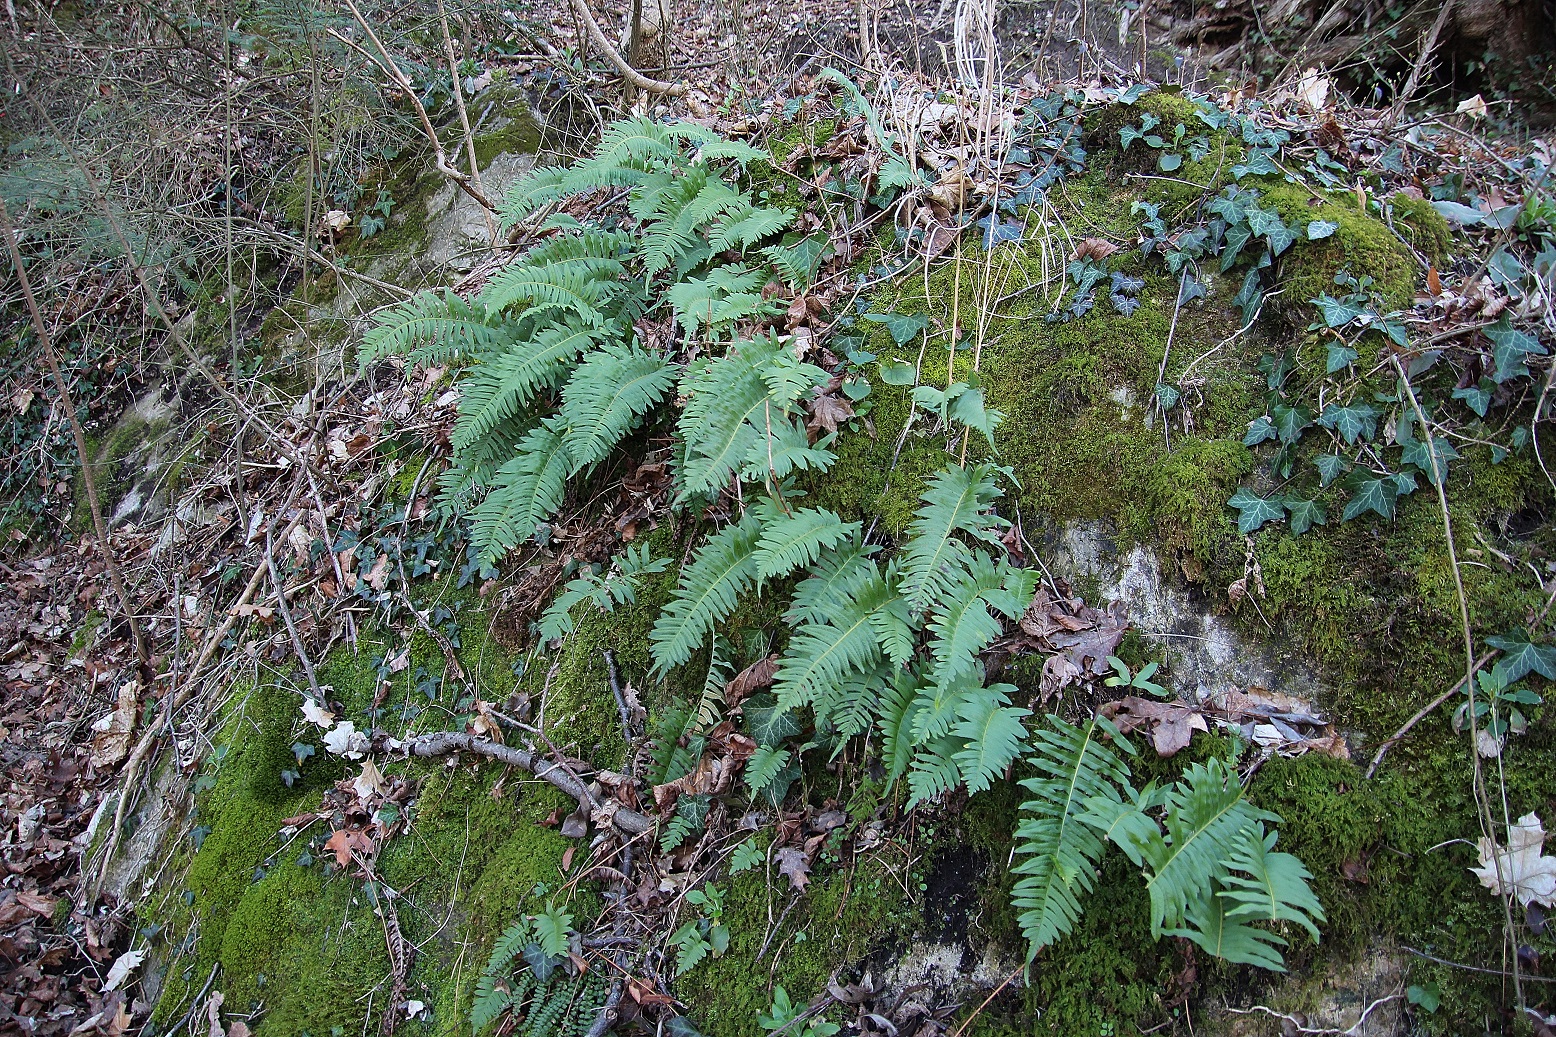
(607, 395)
(895, 723)
(525, 492)
(582, 287)
(935, 771)
(743, 225)
(797, 540)
(956, 501)
(992, 733)
(832, 583)
(433, 326)
(962, 625)
(1210, 925)
(764, 766)
(1261, 885)
(1059, 853)
(709, 588)
(498, 389)
(822, 654)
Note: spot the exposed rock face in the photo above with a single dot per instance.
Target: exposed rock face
(1208, 656)
(458, 228)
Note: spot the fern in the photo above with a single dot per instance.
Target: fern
(821, 654)
(991, 734)
(956, 501)
(603, 592)
(581, 287)
(496, 390)
(837, 577)
(608, 393)
(433, 326)
(709, 588)
(525, 492)
(796, 540)
(935, 771)
(743, 225)
(1059, 853)
(675, 746)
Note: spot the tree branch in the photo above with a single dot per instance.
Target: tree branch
(630, 74)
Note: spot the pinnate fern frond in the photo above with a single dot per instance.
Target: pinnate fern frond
(821, 654)
(955, 501)
(581, 287)
(962, 626)
(742, 225)
(606, 396)
(991, 734)
(525, 492)
(504, 384)
(1059, 853)
(1263, 885)
(831, 583)
(796, 540)
(934, 772)
(432, 326)
(709, 588)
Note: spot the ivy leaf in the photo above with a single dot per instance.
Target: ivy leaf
(903, 327)
(1259, 430)
(1340, 356)
(1169, 162)
(1416, 454)
(1358, 421)
(1330, 468)
(1305, 514)
(1510, 346)
(1290, 421)
(1250, 296)
(1404, 483)
(997, 232)
(897, 372)
(1167, 395)
(1520, 656)
(1370, 492)
(768, 724)
(1337, 314)
(1320, 229)
(1476, 397)
(1269, 226)
(1254, 511)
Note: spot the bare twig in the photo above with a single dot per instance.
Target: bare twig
(445, 742)
(1428, 48)
(630, 74)
(46, 343)
(1293, 1024)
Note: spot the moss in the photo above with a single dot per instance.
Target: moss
(1361, 243)
(112, 458)
(840, 918)
(519, 135)
(1421, 225)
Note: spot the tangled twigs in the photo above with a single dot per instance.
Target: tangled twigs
(46, 343)
(1422, 713)
(630, 74)
(445, 742)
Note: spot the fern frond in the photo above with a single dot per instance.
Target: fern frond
(956, 501)
(607, 394)
(991, 732)
(724, 569)
(962, 625)
(785, 451)
(499, 388)
(711, 704)
(833, 582)
(1059, 853)
(895, 723)
(935, 771)
(674, 746)
(822, 654)
(728, 294)
(1206, 812)
(717, 426)
(849, 707)
(433, 326)
(734, 150)
(525, 492)
(1265, 886)
(1210, 925)
(583, 287)
(797, 540)
(743, 225)
(639, 139)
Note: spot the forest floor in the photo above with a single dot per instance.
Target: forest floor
(325, 487)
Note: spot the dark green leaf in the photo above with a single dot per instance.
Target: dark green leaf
(1305, 514)
(904, 328)
(1416, 454)
(1167, 395)
(897, 372)
(768, 724)
(1357, 421)
(1520, 656)
(1510, 347)
(1169, 162)
(1476, 397)
(1320, 229)
(1330, 468)
(1291, 420)
(1254, 511)
(1259, 430)
(1337, 314)
(1340, 356)
(1370, 492)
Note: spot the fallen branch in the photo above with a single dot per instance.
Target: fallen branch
(1422, 713)
(1293, 1023)
(445, 742)
(630, 74)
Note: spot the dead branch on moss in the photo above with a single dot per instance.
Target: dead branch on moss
(444, 743)
(630, 74)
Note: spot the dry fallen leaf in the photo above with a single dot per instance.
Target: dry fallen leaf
(370, 781)
(1525, 871)
(792, 863)
(1171, 724)
(1095, 249)
(123, 966)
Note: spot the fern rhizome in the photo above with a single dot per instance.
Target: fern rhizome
(883, 641)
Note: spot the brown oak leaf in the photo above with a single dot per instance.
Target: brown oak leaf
(793, 863)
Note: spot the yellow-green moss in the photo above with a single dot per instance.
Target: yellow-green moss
(1421, 225)
(518, 136)
(1361, 243)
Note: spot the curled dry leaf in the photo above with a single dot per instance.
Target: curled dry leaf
(1096, 249)
(1170, 724)
(793, 864)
